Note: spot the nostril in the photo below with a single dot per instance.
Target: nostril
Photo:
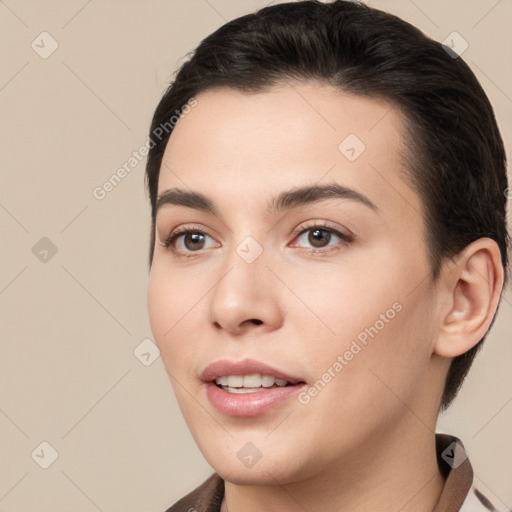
(256, 321)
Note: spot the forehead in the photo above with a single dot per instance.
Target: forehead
(243, 146)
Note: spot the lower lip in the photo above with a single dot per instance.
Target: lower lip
(249, 404)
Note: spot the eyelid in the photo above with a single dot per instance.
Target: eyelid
(183, 230)
(322, 224)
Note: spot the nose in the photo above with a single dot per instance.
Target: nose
(246, 297)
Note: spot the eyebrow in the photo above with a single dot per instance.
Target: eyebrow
(284, 201)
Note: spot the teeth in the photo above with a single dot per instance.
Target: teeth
(235, 381)
(222, 381)
(241, 390)
(267, 381)
(253, 381)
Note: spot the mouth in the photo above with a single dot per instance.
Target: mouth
(250, 383)
(248, 387)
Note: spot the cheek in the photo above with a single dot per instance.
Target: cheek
(167, 307)
(340, 302)
(158, 306)
(386, 359)
(177, 315)
(372, 366)
(368, 314)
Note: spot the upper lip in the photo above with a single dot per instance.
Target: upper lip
(224, 367)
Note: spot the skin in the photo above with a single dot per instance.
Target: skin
(366, 441)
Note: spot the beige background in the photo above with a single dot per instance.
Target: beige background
(70, 324)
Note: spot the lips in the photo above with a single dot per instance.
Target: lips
(233, 399)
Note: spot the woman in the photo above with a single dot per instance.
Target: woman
(328, 253)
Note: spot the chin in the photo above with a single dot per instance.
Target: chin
(257, 476)
(267, 470)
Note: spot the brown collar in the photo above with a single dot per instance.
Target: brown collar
(451, 457)
(205, 498)
(457, 471)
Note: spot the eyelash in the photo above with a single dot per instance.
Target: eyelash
(345, 238)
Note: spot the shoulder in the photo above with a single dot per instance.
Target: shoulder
(205, 498)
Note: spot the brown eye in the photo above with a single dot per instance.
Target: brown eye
(194, 241)
(319, 237)
(186, 242)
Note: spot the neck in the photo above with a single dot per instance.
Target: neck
(400, 474)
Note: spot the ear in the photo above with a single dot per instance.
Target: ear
(472, 287)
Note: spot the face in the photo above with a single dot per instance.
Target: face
(304, 260)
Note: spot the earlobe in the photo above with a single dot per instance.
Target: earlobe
(473, 286)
